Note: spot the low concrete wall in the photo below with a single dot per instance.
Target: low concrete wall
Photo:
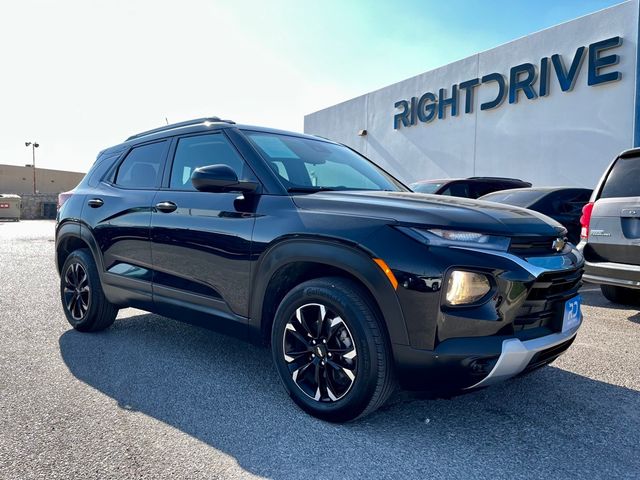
(32, 205)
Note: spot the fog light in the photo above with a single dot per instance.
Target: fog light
(466, 287)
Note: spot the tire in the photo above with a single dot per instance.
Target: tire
(621, 295)
(350, 374)
(83, 300)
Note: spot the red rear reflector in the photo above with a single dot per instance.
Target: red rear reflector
(585, 220)
(63, 197)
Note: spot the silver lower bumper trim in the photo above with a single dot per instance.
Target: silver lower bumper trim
(516, 355)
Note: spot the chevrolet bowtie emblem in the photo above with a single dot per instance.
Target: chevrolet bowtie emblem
(558, 244)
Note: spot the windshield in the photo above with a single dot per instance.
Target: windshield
(517, 198)
(425, 187)
(304, 164)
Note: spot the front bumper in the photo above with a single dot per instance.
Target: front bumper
(517, 330)
(517, 356)
(460, 364)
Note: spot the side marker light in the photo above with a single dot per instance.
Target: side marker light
(387, 271)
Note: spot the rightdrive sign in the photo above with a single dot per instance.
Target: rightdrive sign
(528, 80)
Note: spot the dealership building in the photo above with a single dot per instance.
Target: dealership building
(552, 108)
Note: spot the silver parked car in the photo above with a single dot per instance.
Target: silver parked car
(610, 237)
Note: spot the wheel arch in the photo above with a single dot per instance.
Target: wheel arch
(293, 261)
(71, 236)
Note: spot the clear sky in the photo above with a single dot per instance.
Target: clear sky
(80, 75)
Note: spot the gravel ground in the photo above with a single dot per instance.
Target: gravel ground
(154, 398)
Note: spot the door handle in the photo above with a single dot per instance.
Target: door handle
(166, 207)
(95, 203)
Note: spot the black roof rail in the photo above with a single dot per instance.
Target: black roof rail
(496, 178)
(178, 125)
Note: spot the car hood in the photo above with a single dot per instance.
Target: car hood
(433, 211)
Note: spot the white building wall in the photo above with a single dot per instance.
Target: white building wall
(565, 138)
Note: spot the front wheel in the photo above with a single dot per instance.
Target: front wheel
(331, 351)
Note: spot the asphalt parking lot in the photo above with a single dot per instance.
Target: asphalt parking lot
(155, 398)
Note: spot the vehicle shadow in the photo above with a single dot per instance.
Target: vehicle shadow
(635, 318)
(226, 393)
(594, 298)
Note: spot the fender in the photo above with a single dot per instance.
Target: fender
(90, 240)
(354, 261)
(65, 231)
(75, 229)
(118, 290)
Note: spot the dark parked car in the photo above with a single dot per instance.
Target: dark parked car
(563, 204)
(611, 231)
(472, 187)
(356, 282)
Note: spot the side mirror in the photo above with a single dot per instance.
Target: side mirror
(220, 178)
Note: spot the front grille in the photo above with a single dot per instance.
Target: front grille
(528, 246)
(553, 285)
(544, 305)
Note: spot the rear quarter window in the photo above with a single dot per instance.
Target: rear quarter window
(142, 167)
(623, 180)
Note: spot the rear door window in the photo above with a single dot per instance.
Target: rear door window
(142, 167)
(623, 180)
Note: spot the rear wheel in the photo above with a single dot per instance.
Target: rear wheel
(621, 295)
(330, 350)
(83, 300)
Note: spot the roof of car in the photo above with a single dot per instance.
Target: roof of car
(208, 122)
(472, 179)
(443, 180)
(631, 152)
(200, 125)
(535, 189)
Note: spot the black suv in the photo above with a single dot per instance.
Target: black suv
(357, 283)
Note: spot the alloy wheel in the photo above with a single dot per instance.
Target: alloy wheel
(77, 293)
(320, 353)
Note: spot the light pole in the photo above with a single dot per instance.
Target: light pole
(33, 146)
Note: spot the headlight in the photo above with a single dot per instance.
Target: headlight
(458, 236)
(447, 238)
(466, 287)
